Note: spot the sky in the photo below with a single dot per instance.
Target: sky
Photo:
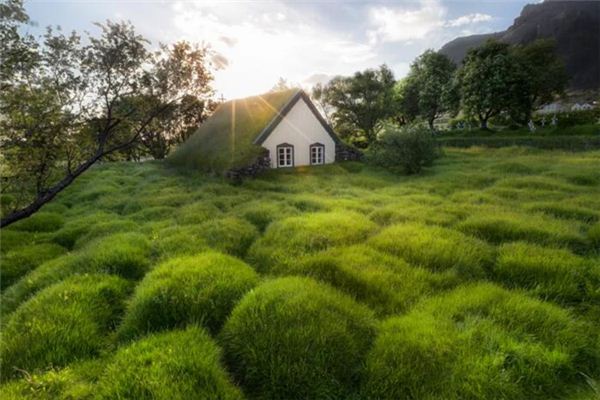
(254, 43)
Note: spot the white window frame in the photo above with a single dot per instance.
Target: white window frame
(317, 154)
(285, 155)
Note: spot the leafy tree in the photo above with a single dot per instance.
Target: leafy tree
(406, 100)
(67, 103)
(490, 81)
(359, 102)
(544, 76)
(431, 74)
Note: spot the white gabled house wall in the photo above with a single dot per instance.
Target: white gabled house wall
(301, 129)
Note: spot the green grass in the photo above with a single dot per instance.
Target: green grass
(293, 338)
(479, 278)
(176, 365)
(63, 323)
(201, 289)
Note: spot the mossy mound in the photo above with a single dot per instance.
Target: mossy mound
(169, 366)
(202, 289)
(286, 240)
(63, 323)
(19, 262)
(436, 248)
(294, 338)
(480, 342)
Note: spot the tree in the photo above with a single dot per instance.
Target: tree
(490, 81)
(64, 104)
(406, 100)
(359, 102)
(544, 76)
(431, 77)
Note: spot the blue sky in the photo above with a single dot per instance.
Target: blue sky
(256, 42)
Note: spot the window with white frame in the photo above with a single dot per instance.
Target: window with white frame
(317, 154)
(285, 155)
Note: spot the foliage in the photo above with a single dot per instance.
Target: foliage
(479, 342)
(431, 80)
(63, 323)
(294, 338)
(66, 103)
(192, 290)
(359, 102)
(409, 147)
(174, 365)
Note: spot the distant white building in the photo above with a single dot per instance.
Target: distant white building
(581, 107)
(551, 108)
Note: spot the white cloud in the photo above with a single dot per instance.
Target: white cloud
(403, 25)
(258, 53)
(469, 19)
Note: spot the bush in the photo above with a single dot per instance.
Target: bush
(202, 289)
(387, 284)
(436, 248)
(409, 148)
(169, 366)
(286, 240)
(293, 338)
(555, 274)
(40, 222)
(229, 235)
(480, 342)
(17, 263)
(65, 322)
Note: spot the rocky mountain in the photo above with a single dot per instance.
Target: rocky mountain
(574, 25)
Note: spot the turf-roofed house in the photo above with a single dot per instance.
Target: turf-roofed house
(275, 130)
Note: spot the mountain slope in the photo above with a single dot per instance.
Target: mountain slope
(574, 25)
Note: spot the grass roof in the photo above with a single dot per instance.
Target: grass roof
(225, 140)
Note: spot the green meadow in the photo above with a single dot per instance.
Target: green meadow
(478, 279)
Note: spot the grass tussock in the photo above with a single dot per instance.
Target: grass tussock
(230, 235)
(436, 248)
(294, 338)
(201, 290)
(40, 222)
(17, 263)
(480, 342)
(176, 365)
(63, 323)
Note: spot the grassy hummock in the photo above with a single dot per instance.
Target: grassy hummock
(293, 338)
(225, 140)
(201, 290)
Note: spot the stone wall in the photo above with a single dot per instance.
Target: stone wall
(344, 152)
(262, 163)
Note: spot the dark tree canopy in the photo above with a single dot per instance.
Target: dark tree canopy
(66, 103)
(359, 102)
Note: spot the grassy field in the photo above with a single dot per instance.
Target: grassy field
(479, 279)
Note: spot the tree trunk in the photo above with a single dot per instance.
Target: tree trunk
(484, 123)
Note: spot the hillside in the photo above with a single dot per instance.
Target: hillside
(574, 25)
(478, 279)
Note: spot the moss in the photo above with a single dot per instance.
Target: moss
(202, 289)
(293, 338)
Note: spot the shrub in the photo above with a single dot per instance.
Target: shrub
(387, 284)
(550, 273)
(202, 289)
(17, 263)
(479, 342)
(293, 338)
(65, 322)
(409, 148)
(229, 235)
(503, 226)
(436, 248)
(286, 240)
(40, 222)
(168, 366)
